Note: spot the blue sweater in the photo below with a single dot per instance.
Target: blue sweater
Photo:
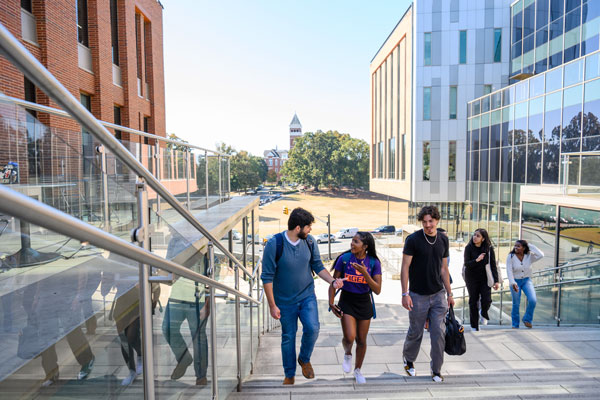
(291, 276)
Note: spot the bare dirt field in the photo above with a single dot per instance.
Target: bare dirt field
(363, 210)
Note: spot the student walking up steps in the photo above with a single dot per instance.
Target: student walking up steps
(425, 285)
(361, 270)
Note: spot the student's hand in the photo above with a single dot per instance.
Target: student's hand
(450, 301)
(496, 286)
(275, 313)
(339, 283)
(360, 268)
(515, 287)
(407, 302)
(481, 256)
(336, 310)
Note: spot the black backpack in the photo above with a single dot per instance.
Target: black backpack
(455, 339)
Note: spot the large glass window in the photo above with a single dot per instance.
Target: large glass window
(528, 17)
(517, 21)
(557, 8)
(494, 165)
(520, 132)
(534, 163)
(462, 35)
(555, 49)
(452, 160)
(590, 19)
(538, 226)
(572, 34)
(483, 165)
(572, 119)
(82, 23)
(403, 165)
(506, 164)
(579, 232)
(426, 160)
(507, 126)
(380, 161)
(485, 131)
(591, 117)
(427, 48)
(427, 103)
(495, 128)
(452, 102)
(552, 126)
(520, 156)
(498, 45)
(536, 120)
(542, 13)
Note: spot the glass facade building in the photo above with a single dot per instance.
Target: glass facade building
(542, 132)
(548, 33)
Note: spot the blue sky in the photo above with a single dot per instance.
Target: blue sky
(236, 71)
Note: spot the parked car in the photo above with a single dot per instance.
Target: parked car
(256, 238)
(324, 238)
(385, 230)
(236, 235)
(346, 233)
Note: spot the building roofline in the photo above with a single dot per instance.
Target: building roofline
(386, 39)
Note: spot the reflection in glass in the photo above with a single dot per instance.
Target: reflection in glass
(520, 155)
(534, 163)
(572, 112)
(579, 235)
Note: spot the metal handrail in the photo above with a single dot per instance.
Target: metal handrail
(35, 212)
(15, 52)
(567, 265)
(54, 111)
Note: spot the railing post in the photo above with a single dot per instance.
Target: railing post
(187, 176)
(206, 176)
(228, 178)
(157, 169)
(213, 322)
(250, 282)
(238, 335)
(220, 179)
(501, 299)
(100, 150)
(140, 235)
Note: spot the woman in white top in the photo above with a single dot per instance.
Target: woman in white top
(518, 269)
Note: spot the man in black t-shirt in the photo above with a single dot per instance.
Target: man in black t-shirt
(425, 271)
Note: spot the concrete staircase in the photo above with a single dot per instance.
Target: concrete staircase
(542, 363)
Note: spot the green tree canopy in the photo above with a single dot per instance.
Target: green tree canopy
(328, 158)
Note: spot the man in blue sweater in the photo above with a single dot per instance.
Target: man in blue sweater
(290, 290)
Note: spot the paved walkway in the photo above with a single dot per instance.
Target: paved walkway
(544, 362)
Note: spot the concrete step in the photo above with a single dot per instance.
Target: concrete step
(574, 383)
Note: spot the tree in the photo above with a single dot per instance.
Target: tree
(272, 176)
(328, 158)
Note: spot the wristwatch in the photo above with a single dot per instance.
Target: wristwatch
(450, 294)
(404, 294)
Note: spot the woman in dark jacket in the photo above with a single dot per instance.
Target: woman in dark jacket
(478, 253)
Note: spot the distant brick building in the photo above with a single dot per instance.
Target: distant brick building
(275, 160)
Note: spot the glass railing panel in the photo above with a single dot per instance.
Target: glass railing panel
(182, 338)
(579, 302)
(70, 322)
(226, 338)
(198, 166)
(213, 179)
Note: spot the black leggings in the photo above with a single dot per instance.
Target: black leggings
(131, 340)
(478, 290)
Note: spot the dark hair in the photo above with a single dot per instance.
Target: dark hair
(523, 243)
(300, 217)
(486, 244)
(369, 241)
(428, 210)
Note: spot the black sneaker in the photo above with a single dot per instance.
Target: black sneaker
(409, 367)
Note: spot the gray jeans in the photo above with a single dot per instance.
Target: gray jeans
(434, 307)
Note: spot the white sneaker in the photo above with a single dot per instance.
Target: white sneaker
(347, 363)
(139, 368)
(129, 379)
(360, 379)
(409, 367)
(437, 378)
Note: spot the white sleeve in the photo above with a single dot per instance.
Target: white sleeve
(535, 253)
(509, 271)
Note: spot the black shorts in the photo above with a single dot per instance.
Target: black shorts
(357, 305)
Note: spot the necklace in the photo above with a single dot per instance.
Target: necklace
(434, 240)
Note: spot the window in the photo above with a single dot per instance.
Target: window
(380, 161)
(392, 158)
(452, 102)
(147, 124)
(34, 137)
(427, 103)
(427, 48)
(147, 60)
(114, 31)
(82, 23)
(117, 119)
(498, 45)
(487, 89)
(426, 155)
(26, 5)
(452, 160)
(463, 47)
(138, 47)
(87, 140)
(403, 164)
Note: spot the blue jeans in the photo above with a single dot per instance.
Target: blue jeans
(526, 286)
(308, 313)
